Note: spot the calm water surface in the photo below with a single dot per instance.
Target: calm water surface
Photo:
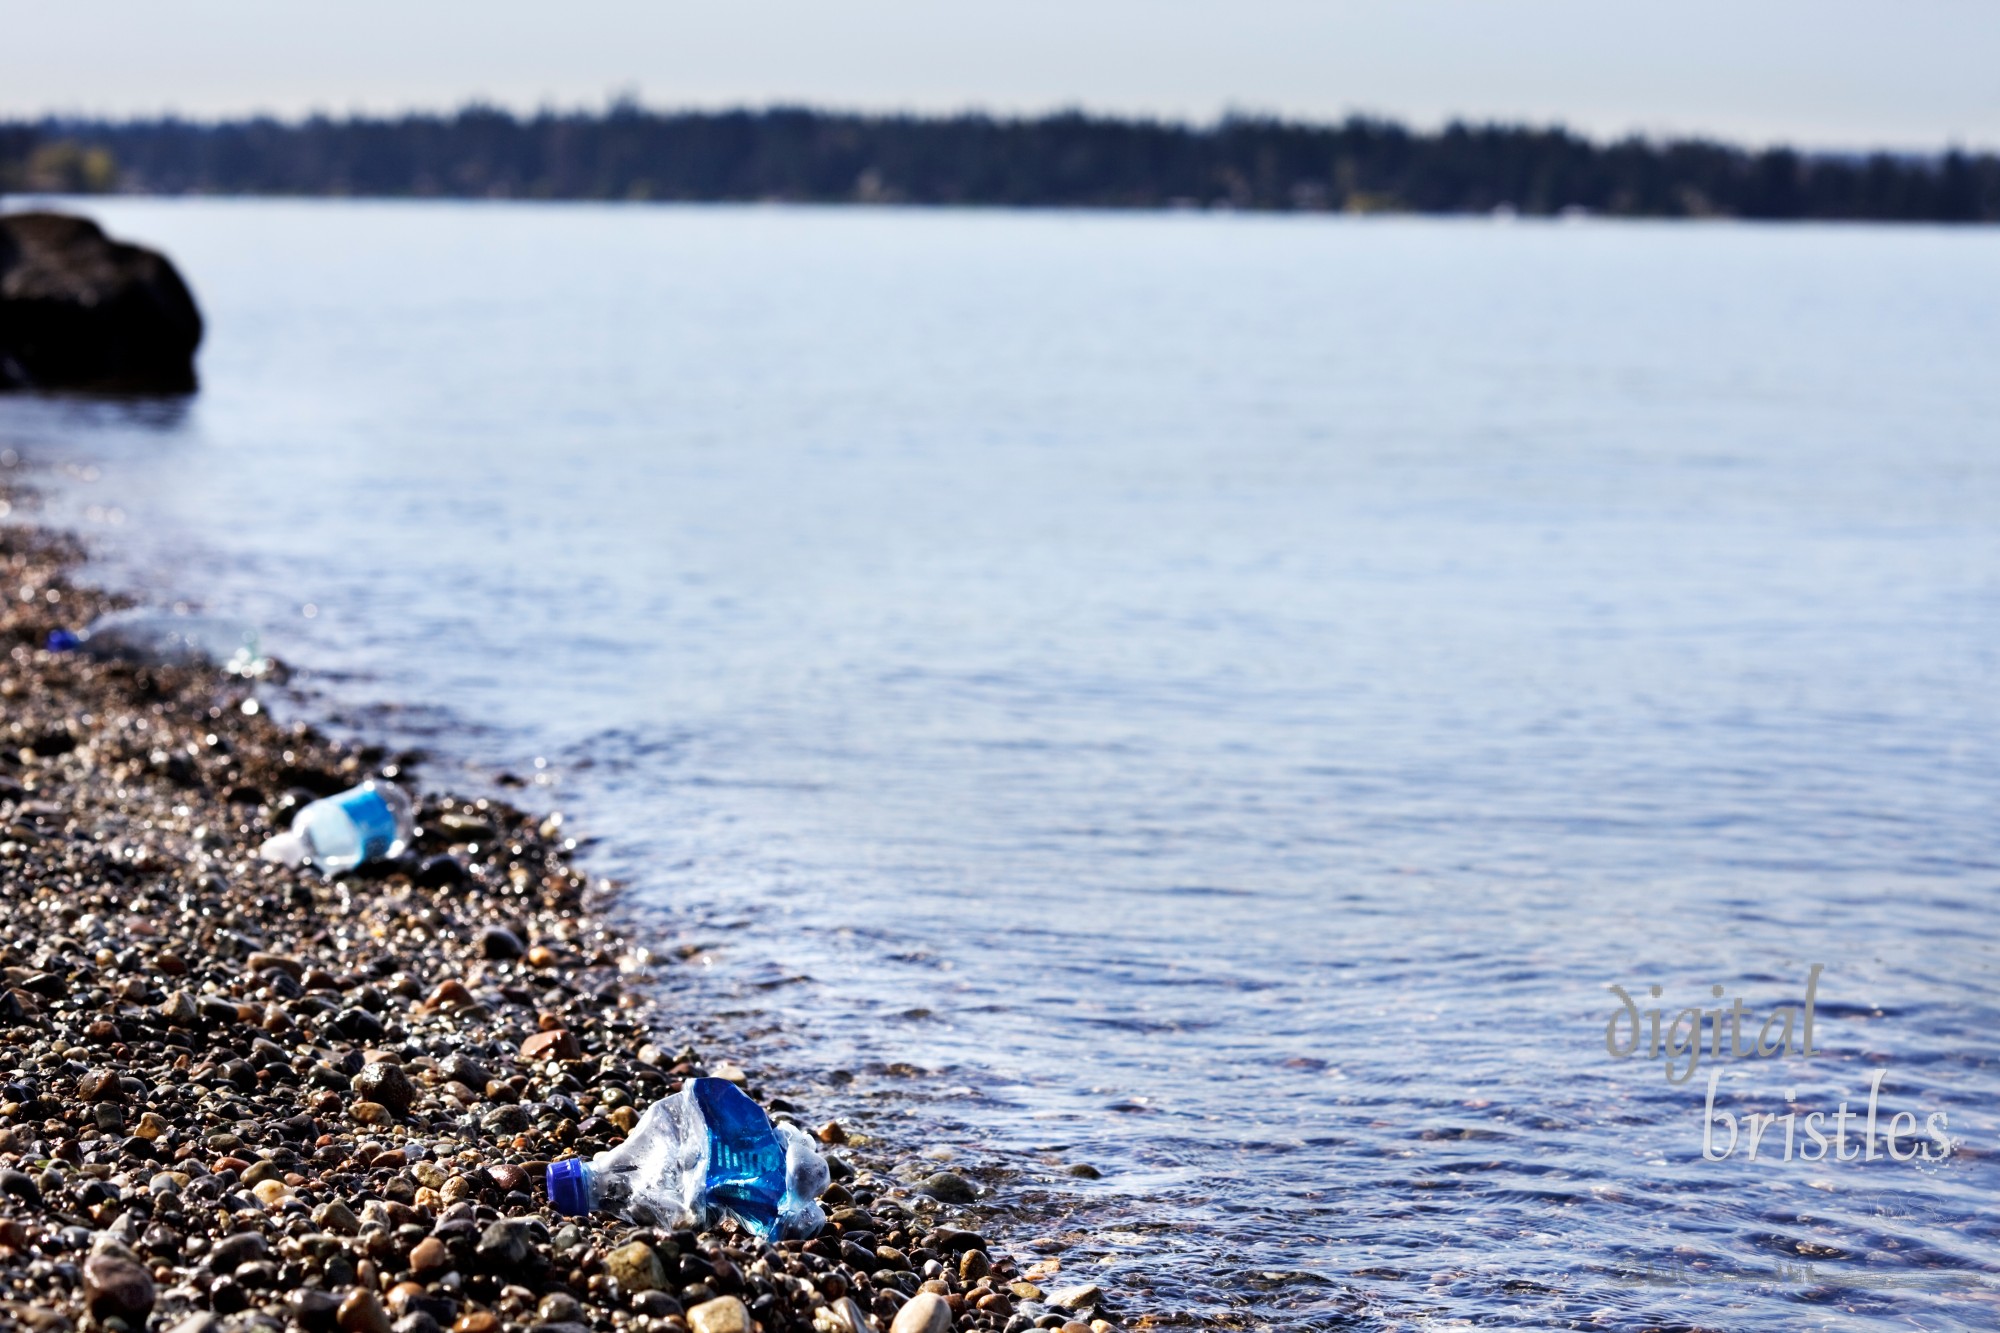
(1218, 699)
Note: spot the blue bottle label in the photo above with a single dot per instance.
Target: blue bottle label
(374, 822)
(746, 1163)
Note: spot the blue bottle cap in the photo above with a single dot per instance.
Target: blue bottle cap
(62, 641)
(569, 1187)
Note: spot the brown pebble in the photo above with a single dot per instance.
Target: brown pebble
(832, 1132)
(476, 1321)
(558, 1044)
(338, 1218)
(429, 1256)
(449, 995)
(541, 956)
(115, 1286)
(362, 1312)
(507, 1176)
(264, 962)
(387, 1085)
(371, 1113)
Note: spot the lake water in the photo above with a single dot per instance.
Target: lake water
(1215, 698)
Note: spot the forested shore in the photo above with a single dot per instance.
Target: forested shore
(1064, 160)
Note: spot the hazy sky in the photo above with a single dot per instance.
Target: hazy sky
(1823, 72)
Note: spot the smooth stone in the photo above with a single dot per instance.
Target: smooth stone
(842, 1316)
(656, 1304)
(362, 1312)
(337, 1217)
(1077, 1298)
(500, 943)
(386, 1084)
(925, 1312)
(117, 1286)
(429, 1256)
(504, 1246)
(315, 1311)
(637, 1268)
(556, 1043)
(232, 1252)
(459, 1067)
(559, 1307)
(724, 1314)
(950, 1187)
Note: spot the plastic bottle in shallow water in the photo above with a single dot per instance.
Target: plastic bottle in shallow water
(371, 822)
(707, 1150)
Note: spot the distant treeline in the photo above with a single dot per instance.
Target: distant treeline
(1066, 160)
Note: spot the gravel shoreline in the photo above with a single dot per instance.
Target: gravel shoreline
(238, 1097)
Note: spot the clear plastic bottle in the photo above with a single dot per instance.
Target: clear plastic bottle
(156, 637)
(370, 822)
(706, 1150)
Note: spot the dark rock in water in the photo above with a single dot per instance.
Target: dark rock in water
(79, 310)
(949, 1187)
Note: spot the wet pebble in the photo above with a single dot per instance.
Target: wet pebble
(925, 1312)
(386, 1084)
(724, 1314)
(949, 1187)
(500, 942)
(361, 1312)
(117, 1286)
(636, 1267)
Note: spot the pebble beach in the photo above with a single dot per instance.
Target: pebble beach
(237, 1096)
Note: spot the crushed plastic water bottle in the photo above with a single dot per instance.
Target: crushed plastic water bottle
(154, 637)
(371, 822)
(706, 1150)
